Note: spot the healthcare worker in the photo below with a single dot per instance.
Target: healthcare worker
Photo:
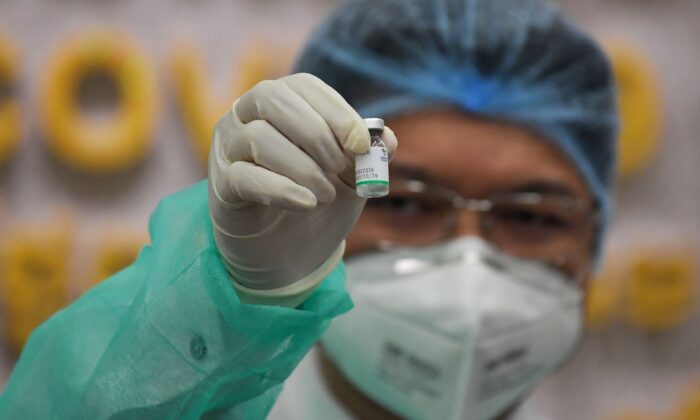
(467, 280)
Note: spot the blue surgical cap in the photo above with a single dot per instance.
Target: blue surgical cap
(517, 61)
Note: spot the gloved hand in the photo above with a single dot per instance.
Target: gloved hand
(281, 186)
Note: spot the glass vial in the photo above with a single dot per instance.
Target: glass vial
(372, 168)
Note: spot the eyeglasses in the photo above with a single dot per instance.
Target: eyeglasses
(553, 228)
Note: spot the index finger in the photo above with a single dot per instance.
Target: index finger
(345, 123)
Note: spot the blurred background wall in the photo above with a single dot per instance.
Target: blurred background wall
(67, 220)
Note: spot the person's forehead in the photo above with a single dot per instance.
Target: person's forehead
(477, 157)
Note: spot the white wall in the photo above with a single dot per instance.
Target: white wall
(34, 188)
(620, 367)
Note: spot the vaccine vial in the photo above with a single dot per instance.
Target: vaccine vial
(372, 168)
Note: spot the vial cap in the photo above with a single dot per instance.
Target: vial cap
(374, 123)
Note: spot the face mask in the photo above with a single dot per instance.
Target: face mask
(456, 331)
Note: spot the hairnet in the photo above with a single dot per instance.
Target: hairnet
(518, 61)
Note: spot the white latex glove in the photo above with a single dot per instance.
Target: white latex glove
(281, 186)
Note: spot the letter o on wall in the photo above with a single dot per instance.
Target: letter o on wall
(102, 145)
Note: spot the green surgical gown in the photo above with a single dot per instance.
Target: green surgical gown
(168, 337)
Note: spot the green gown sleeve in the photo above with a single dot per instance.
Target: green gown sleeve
(167, 337)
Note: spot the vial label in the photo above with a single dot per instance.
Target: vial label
(372, 167)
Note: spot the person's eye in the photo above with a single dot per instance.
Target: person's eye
(532, 218)
(405, 205)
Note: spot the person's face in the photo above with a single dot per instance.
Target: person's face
(451, 152)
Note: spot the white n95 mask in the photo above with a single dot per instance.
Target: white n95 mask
(455, 331)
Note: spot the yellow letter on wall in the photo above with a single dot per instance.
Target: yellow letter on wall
(10, 114)
(117, 250)
(99, 145)
(690, 407)
(660, 290)
(200, 108)
(640, 109)
(36, 278)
